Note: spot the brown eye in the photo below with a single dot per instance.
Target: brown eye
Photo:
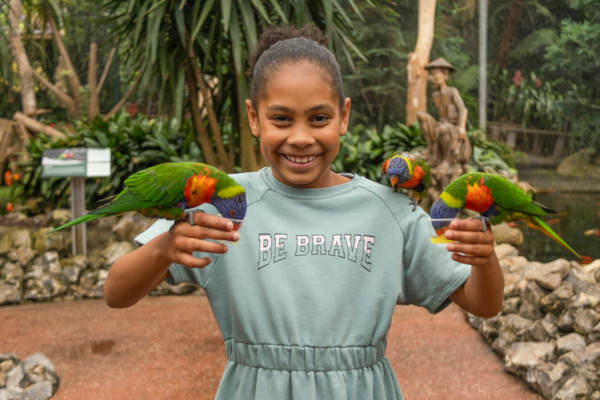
(232, 213)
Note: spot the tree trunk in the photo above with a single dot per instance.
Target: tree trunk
(417, 74)
(37, 126)
(72, 78)
(28, 99)
(508, 35)
(247, 150)
(224, 161)
(201, 131)
(94, 106)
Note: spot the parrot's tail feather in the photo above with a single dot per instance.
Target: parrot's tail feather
(545, 208)
(540, 225)
(83, 218)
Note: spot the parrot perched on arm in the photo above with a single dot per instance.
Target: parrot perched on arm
(408, 172)
(168, 190)
(495, 198)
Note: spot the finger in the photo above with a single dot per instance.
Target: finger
(472, 237)
(470, 260)
(204, 246)
(469, 224)
(212, 221)
(200, 232)
(190, 261)
(477, 250)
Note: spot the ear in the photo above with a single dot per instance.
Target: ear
(252, 118)
(345, 116)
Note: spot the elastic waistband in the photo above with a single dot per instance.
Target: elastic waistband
(304, 358)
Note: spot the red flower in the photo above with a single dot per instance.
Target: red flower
(9, 207)
(7, 178)
(538, 83)
(518, 78)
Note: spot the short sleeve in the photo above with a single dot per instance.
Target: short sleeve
(179, 273)
(430, 275)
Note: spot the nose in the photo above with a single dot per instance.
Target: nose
(301, 136)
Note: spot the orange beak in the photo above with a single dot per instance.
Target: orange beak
(393, 180)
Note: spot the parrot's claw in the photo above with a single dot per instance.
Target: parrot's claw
(484, 222)
(190, 214)
(414, 204)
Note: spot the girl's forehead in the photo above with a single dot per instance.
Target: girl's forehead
(297, 80)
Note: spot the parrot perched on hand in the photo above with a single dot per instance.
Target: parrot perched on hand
(408, 172)
(495, 198)
(169, 190)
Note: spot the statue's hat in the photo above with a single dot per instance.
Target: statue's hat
(440, 63)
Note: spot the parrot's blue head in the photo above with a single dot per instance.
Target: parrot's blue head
(398, 170)
(441, 214)
(233, 208)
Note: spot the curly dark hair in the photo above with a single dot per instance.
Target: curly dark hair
(280, 45)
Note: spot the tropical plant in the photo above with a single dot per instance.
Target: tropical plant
(186, 51)
(135, 143)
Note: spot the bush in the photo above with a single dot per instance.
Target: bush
(135, 143)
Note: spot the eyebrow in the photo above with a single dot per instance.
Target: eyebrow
(282, 108)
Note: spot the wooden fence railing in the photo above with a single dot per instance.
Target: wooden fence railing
(541, 147)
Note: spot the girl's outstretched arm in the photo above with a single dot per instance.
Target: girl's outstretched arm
(483, 292)
(135, 274)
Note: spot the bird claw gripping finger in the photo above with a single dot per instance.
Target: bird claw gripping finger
(484, 222)
(190, 214)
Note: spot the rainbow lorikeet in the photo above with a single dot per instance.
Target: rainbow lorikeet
(496, 199)
(408, 172)
(169, 190)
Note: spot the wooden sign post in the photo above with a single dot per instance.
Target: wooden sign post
(77, 164)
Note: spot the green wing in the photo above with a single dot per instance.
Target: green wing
(511, 197)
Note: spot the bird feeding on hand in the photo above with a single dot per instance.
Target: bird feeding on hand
(497, 200)
(171, 190)
(408, 172)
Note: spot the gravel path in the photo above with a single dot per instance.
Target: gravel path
(170, 348)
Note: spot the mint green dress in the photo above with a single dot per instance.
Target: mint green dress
(305, 298)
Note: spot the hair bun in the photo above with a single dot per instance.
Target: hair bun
(274, 34)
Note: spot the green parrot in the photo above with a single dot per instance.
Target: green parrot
(169, 190)
(496, 199)
(408, 172)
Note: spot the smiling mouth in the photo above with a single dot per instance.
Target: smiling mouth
(300, 159)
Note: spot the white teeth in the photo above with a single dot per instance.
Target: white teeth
(300, 160)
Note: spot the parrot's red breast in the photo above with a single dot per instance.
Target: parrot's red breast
(199, 189)
(417, 175)
(479, 197)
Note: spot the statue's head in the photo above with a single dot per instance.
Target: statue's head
(439, 70)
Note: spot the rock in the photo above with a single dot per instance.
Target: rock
(503, 233)
(130, 225)
(580, 164)
(21, 255)
(547, 378)
(575, 387)
(44, 241)
(32, 379)
(566, 320)
(514, 263)
(555, 302)
(522, 355)
(585, 320)
(10, 293)
(505, 250)
(548, 276)
(14, 239)
(116, 250)
(571, 342)
(59, 216)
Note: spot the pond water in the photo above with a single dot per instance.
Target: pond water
(578, 212)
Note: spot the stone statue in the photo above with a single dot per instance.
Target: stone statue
(448, 147)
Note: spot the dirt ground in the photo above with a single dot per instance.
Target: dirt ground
(170, 348)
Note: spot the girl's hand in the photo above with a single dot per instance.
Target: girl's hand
(183, 239)
(472, 246)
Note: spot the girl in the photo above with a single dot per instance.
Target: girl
(304, 294)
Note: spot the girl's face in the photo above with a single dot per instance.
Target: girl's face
(299, 122)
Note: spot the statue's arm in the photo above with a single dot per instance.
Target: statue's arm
(462, 111)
